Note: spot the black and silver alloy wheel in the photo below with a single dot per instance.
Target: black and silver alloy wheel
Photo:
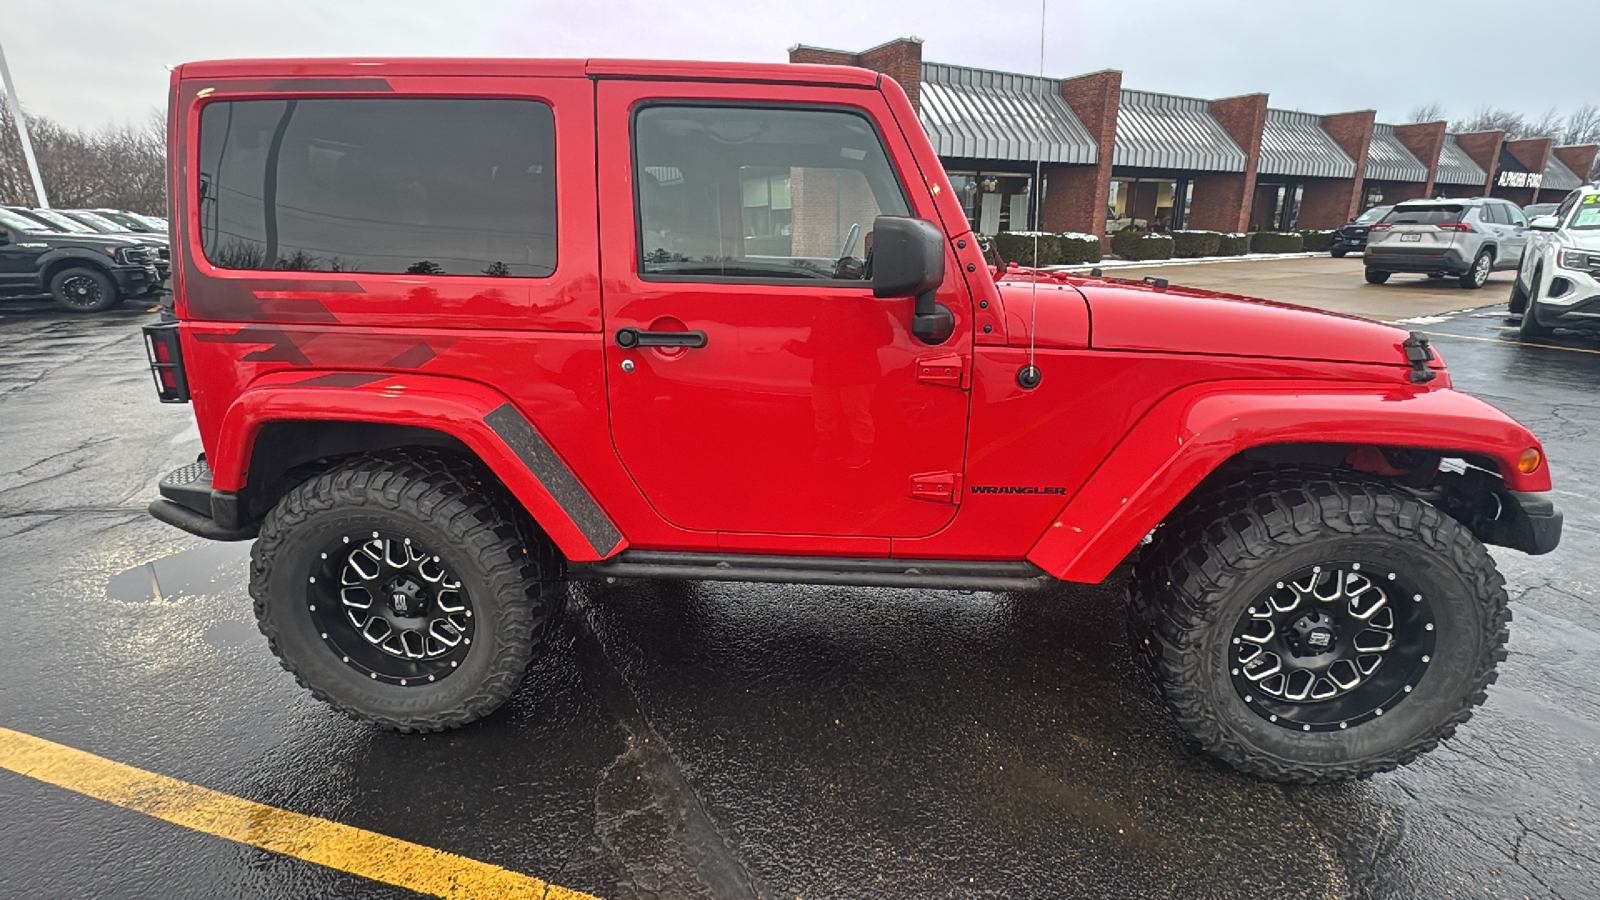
(391, 608)
(84, 289)
(1332, 646)
(1478, 275)
(405, 589)
(1313, 625)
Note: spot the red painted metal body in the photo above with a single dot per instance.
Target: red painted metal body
(1145, 391)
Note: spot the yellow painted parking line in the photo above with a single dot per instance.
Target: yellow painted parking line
(1468, 337)
(353, 850)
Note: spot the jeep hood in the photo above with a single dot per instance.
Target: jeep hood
(1126, 315)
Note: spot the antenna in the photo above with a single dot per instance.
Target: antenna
(1030, 376)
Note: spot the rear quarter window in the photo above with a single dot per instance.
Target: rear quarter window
(382, 185)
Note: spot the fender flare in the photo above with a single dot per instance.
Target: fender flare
(1190, 433)
(483, 419)
(47, 261)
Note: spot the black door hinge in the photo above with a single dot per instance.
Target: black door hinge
(1419, 354)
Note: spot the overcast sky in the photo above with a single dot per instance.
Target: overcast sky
(90, 63)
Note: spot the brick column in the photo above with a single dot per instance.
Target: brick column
(900, 59)
(1578, 157)
(1075, 196)
(1424, 140)
(1222, 201)
(1484, 148)
(1331, 202)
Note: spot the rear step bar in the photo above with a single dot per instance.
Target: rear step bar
(937, 574)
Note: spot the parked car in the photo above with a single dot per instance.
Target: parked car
(1352, 236)
(1533, 210)
(157, 243)
(1466, 239)
(59, 221)
(1559, 278)
(131, 221)
(1309, 581)
(82, 272)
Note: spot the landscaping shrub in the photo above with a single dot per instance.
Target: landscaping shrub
(1317, 241)
(1234, 245)
(1131, 244)
(1017, 247)
(1078, 248)
(1276, 242)
(1192, 244)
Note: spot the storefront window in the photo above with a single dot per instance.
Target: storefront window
(995, 202)
(1148, 204)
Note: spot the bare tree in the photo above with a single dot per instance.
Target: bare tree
(1427, 112)
(119, 167)
(1489, 118)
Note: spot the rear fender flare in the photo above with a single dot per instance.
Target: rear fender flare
(1189, 434)
(481, 418)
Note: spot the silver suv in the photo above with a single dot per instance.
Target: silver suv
(1465, 239)
(1560, 273)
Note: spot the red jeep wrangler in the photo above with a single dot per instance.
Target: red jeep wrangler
(457, 331)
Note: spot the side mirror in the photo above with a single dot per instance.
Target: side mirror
(908, 261)
(1545, 223)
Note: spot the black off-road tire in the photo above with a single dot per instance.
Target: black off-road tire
(511, 572)
(1530, 327)
(1477, 274)
(1518, 301)
(1338, 252)
(1217, 556)
(1377, 276)
(83, 289)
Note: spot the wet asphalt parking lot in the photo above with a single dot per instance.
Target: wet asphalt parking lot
(753, 740)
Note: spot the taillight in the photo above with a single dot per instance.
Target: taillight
(1377, 225)
(166, 362)
(1454, 226)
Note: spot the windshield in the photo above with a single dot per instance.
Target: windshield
(1373, 215)
(98, 223)
(61, 222)
(1429, 214)
(125, 219)
(1587, 218)
(19, 222)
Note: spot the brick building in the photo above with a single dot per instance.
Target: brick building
(1111, 158)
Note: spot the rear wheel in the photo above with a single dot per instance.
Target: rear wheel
(1477, 276)
(84, 290)
(1316, 626)
(402, 592)
(1530, 326)
(1376, 276)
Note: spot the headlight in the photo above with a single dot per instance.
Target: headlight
(1582, 260)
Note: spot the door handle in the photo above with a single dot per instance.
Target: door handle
(628, 338)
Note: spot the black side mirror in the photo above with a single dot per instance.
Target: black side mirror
(908, 261)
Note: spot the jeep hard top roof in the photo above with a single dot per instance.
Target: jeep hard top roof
(350, 67)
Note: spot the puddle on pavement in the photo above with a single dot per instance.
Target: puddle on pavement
(207, 569)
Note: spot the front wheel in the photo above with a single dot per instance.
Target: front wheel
(1376, 276)
(403, 592)
(1311, 626)
(82, 289)
(1531, 327)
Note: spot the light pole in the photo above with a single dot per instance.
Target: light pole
(15, 106)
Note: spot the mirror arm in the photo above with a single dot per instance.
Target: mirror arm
(931, 322)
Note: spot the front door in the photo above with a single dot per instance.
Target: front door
(786, 399)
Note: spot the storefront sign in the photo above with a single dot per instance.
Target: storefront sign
(1519, 179)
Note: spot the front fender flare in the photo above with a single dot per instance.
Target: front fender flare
(1189, 434)
(483, 419)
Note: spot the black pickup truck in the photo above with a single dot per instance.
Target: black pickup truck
(83, 272)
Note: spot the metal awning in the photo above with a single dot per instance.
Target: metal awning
(1294, 144)
(1456, 167)
(1161, 131)
(980, 114)
(1389, 160)
(1558, 177)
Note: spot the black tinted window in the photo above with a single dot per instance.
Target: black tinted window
(1431, 214)
(1491, 212)
(759, 194)
(422, 187)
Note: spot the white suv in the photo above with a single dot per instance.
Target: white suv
(1559, 277)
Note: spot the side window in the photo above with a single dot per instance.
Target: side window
(1515, 215)
(1491, 212)
(393, 186)
(745, 194)
(1567, 205)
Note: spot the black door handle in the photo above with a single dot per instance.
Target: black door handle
(628, 338)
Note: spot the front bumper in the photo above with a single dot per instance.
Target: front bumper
(1528, 522)
(134, 281)
(1388, 258)
(1569, 293)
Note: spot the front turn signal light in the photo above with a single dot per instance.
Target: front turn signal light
(1529, 461)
